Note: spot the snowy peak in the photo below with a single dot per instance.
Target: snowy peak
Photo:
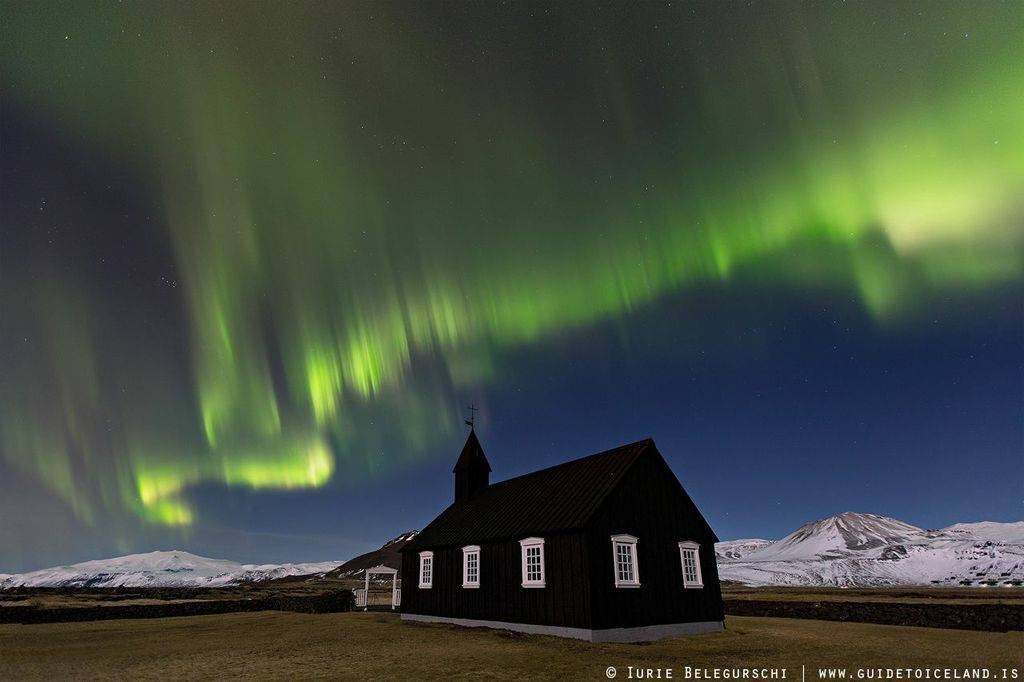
(173, 568)
(991, 531)
(389, 554)
(401, 539)
(174, 561)
(735, 549)
(867, 549)
(838, 536)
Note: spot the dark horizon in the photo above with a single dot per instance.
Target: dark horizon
(255, 264)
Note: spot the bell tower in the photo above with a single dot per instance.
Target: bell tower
(472, 471)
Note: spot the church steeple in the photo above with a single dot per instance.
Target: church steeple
(472, 470)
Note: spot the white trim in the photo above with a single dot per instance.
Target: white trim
(646, 633)
(468, 551)
(426, 558)
(376, 570)
(629, 542)
(688, 546)
(525, 545)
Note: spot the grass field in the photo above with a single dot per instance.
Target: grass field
(378, 646)
(380, 594)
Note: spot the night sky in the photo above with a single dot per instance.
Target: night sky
(256, 260)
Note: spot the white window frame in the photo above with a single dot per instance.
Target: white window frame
(427, 558)
(689, 546)
(629, 542)
(525, 544)
(467, 552)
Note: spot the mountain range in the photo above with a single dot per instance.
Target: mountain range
(854, 549)
(159, 569)
(850, 549)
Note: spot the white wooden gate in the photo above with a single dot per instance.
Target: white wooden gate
(362, 596)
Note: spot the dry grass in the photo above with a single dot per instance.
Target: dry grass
(378, 646)
(380, 594)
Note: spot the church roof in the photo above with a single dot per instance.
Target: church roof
(562, 497)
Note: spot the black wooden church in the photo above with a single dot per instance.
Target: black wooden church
(607, 548)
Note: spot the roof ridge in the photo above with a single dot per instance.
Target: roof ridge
(560, 497)
(595, 455)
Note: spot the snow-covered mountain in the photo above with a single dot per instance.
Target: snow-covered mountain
(159, 569)
(850, 549)
(389, 554)
(1007, 533)
(865, 549)
(736, 549)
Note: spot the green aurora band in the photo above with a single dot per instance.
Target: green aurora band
(361, 202)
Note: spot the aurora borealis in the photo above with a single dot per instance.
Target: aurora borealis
(257, 254)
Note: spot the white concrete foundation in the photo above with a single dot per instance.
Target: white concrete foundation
(647, 633)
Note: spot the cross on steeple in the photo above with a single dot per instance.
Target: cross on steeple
(472, 416)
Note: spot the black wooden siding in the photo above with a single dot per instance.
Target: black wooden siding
(562, 602)
(650, 504)
(646, 501)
